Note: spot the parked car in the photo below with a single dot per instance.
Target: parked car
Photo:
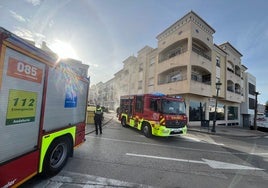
(262, 122)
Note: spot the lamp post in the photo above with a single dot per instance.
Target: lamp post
(256, 109)
(218, 86)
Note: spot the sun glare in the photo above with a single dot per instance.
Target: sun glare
(63, 49)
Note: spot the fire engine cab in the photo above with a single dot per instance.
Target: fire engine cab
(154, 114)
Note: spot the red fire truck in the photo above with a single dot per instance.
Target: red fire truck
(154, 114)
(43, 109)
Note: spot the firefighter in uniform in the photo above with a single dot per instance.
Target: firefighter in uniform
(98, 116)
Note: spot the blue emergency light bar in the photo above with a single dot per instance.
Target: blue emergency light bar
(158, 94)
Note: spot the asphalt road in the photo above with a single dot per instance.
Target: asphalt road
(123, 157)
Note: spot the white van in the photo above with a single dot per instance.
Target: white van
(262, 121)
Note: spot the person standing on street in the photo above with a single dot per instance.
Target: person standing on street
(98, 116)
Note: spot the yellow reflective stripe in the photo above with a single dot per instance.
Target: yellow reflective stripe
(124, 115)
(162, 120)
(47, 140)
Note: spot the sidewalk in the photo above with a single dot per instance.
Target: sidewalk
(228, 131)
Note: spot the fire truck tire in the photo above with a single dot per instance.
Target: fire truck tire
(57, 156)
(124, 122)
(146, 129)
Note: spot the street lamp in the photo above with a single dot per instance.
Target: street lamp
(256, 109)
(218, 86)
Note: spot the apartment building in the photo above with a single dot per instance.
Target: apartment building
(187, 63)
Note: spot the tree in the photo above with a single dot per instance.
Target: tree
(266, 107)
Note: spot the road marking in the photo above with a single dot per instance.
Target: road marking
(75, 179)
(260, 154)
(192, 139)
(208, 140)
(213, 164)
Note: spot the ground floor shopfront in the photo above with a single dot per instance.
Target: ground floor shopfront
(203, 108)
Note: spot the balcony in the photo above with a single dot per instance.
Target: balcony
(200, 61)
(233, 96)
(200, 88)
(200, 81)
(201, 49)
(172, 88)
(201, 53)
(172, 54)
(200, 74)
(173, 50)
(171, 80)
(175, 74)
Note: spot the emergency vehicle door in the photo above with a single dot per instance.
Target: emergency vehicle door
(21, 90)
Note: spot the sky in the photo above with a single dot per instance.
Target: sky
(103, 33)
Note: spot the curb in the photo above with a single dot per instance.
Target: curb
(259, 133)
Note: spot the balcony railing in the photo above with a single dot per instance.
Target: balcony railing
(200, 79)
(199, 52)
(203, 82)
(171, 54)
(172, 80)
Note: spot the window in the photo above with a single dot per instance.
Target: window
(218, 62)
(153, 105)
(232, 113)
(126, 106)
(172, 107)
(237, 89)
(194, 77)
(251, 103)
(237, 71)
(251, 89)
(206, 79)
(196, 111)
(230, 86)
(230, 67)
(139, 104)
(220, 112)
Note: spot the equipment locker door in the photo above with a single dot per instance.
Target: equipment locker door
(21, 90)
(66, 98)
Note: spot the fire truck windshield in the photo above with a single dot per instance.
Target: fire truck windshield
(173, 107)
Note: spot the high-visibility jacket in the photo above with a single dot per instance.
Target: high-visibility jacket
(98, 113)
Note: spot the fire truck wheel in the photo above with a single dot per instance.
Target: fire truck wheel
(146, 129)
(57, 156)
(124, 122)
